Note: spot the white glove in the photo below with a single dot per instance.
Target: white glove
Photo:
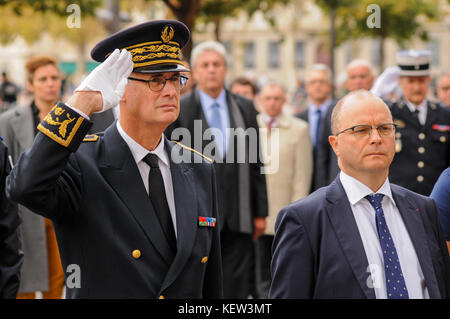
(109, 78)
(386, 82)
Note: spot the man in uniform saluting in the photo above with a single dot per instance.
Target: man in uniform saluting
(128, 205)
(422, 136)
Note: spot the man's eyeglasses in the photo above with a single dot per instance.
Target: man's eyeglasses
(156, 84)
(365, 130)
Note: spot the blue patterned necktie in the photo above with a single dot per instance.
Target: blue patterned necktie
(216, 122)
(319, 119)
(395, 283)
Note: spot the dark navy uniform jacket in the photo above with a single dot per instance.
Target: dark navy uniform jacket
(422, 152)
(105, 223)
(11, 255)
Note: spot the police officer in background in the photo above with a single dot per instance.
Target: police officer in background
(422, 135)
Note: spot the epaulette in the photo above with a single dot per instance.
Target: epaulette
(90, 138)
(194, 151)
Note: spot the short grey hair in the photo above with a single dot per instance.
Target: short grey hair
(273, 84)
(318, 67)
(336, 114)
(359, 62)
(443, 75)
(208, 46)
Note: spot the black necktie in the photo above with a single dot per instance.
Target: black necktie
(158, 198)
(416, 116)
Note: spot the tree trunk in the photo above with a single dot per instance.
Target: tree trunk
(332, 46)
(186, 12)
(217, 25)
(114, 7)
(381, 54)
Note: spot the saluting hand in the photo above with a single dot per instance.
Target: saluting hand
(109, 79)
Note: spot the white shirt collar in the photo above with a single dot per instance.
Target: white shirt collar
(323, 107)
(208, 101)
(356, 190)
(139, 152)
(267, 119)
(421, 107)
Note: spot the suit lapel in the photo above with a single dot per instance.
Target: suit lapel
(120, 170)
(22, 124)
(187, 215)
(411, 216)
(343, 221)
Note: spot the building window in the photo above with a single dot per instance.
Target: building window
(227, 45)
(375, 54)
(299, 54)
(274, 54)
(433, 47)
(249, 55)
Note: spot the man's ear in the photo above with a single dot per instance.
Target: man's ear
(333, 140)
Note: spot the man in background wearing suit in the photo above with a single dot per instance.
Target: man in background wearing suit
(318, 88)
(361, 237)
(241, 186)
(134, 214)
(288, 159)
(359, 76)
(11, 254)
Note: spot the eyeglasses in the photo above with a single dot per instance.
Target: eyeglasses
(156, 84)
(365, 130)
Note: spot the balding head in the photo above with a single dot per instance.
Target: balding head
(363, 137)
(352, 99)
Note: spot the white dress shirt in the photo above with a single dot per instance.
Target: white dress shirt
(364, 215)
(139, 152)
(422, 108)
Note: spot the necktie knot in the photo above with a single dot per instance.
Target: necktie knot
(270, 124)
(151, 160)
(375, 200)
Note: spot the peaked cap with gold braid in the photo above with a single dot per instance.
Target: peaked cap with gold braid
(155, 46)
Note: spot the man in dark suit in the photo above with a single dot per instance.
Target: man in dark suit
(358, 76)
(318, 87)
(134, 214)
(361, 237)
(241, 189)
(423, 135)
(11, 255)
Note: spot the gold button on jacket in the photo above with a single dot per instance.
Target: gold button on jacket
(136, 254)
(204, 260)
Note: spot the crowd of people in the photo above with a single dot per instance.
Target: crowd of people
(149, 179)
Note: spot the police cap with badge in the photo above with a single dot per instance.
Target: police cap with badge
(155, 47)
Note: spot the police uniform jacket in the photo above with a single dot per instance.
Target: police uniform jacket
(109, 237)
(11, 255)
(422, 151)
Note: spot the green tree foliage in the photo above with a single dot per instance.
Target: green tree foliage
(55, 6)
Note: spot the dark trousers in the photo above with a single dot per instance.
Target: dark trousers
(237, 264)
(263, 260)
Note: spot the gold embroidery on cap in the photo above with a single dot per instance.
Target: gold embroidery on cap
(167, 33)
